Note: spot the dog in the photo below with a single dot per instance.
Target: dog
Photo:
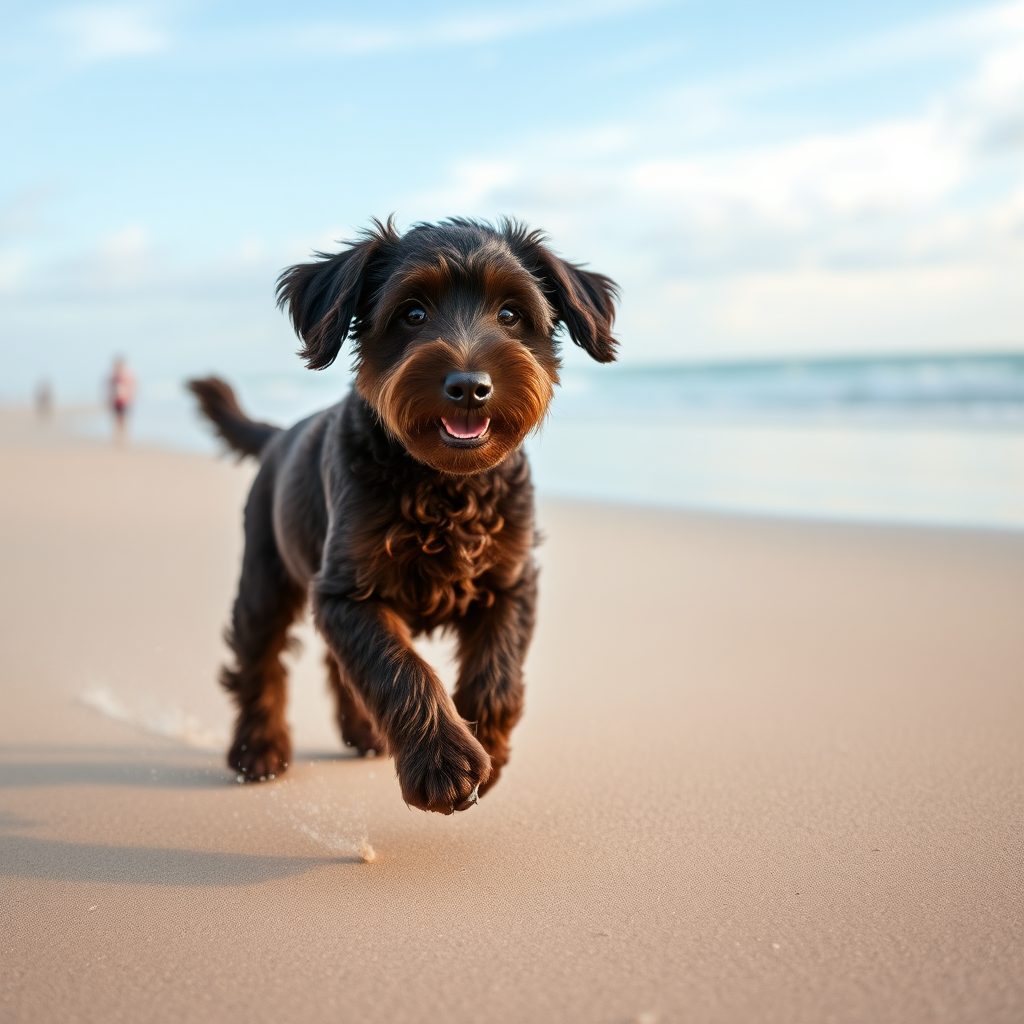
(408, 506)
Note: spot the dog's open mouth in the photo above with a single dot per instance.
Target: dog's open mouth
(471, 427)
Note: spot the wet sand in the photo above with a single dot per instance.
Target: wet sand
(768, 772)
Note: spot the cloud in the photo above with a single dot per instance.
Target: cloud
(884, 169)
(105, 31)
(22, 214)
(880, 169)
(12, 267)
(898, 232)
(172, 314)
(895, 232)
(470, 27)
(127, 244)
(956, 33)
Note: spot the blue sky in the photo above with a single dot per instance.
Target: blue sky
(762, 179)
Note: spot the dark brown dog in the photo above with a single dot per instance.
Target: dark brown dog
(408, 506)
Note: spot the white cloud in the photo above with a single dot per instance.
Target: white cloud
(896, 233)
(956, 33)
(22, 213)
(470, 27)
(900, 232)
(127, 243)
(103, 31)
(12, 267)
(883, 168)
(252, 250)
(830, 311)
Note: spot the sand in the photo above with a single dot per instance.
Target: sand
(768, 772)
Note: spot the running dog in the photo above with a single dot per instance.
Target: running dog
(408, 506)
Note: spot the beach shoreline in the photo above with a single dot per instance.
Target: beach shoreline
(769, 770)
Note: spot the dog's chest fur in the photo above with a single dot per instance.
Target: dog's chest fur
(433, 546)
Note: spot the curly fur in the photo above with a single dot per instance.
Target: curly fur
(388, 523)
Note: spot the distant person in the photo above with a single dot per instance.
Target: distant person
(121, 394)
(44, 400)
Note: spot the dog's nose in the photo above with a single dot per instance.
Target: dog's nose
(468, 389)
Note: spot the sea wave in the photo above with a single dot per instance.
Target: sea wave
(922, 439)
(971, 389)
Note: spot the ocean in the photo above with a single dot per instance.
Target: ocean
(933, 440)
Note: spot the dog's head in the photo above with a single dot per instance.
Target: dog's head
(455, 331)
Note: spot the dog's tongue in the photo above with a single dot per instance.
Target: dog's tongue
(472, 425)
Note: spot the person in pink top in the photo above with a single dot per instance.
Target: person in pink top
(121, 396)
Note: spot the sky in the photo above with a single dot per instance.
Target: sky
(792, 179)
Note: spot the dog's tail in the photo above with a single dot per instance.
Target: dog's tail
(218, 404)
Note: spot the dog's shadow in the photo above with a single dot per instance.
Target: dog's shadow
(57, 860)
(24, 856)
(129, 772)
(19, 774)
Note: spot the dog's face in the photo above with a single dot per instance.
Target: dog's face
(455, 332)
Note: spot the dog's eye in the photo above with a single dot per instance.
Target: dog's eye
(508, 317)
(415, 316)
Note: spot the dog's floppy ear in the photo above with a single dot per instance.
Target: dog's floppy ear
(324, 297)
(583, 301)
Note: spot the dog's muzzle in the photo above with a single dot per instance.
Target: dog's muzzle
(468, 392)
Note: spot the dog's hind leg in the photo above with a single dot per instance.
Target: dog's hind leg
(266, 606)
(492, 644)
(357, 728)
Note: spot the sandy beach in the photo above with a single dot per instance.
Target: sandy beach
(769, 771)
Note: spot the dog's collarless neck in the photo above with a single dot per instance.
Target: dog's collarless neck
(430, 544)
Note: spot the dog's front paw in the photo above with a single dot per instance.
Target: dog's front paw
(444, 774)
(259, 752)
